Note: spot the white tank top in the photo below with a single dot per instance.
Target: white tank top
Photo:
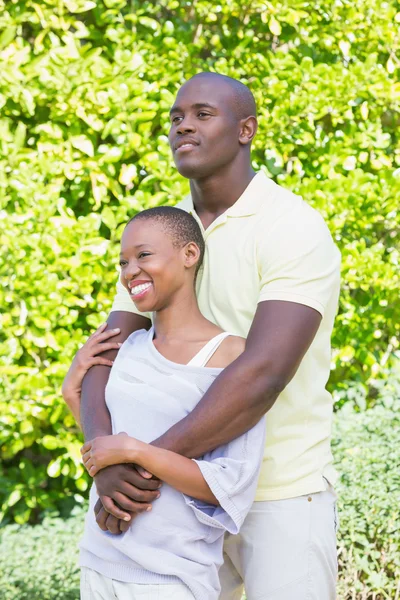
(204, 355)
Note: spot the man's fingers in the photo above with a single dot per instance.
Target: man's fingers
(101, 517)
(113, 509)
(135, 479)
(133, 493)
(130, 505)
(98, 507)
(112, 525)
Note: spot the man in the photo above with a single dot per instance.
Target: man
(271, 274)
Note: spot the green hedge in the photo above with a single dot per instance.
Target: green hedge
(39, 562)
(85, 89)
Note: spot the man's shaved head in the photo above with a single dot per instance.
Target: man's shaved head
(243, 99)
(213, 122)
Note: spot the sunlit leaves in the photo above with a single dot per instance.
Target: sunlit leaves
(85, 90)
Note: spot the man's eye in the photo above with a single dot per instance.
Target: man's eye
(203, 114)
(176, 119)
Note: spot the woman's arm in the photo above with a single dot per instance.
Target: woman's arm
(179, 472)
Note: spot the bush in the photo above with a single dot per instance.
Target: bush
(39, 562)
(365, 449)
(85, 89)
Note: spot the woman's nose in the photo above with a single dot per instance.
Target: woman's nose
(131, 271)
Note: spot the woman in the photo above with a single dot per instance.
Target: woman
(158, 377)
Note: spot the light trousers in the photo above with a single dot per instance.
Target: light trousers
(286, 550)
(97, 587)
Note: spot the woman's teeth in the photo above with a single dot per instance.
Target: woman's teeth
(140, 288)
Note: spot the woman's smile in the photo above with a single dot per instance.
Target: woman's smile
(138, 289)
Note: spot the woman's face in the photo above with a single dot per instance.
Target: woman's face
(153, 270)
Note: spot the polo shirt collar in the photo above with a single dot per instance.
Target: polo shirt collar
(247, 204)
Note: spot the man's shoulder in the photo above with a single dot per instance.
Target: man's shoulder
(281, 207)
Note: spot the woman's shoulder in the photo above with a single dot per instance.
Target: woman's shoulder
(136, 338)
(229, 350)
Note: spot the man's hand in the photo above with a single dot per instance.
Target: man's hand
(108, 522)
(124, 490)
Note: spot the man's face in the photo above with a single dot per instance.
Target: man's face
(204, 134)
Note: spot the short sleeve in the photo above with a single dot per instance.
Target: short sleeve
(122, 301)
(298, 260)
(231, 471)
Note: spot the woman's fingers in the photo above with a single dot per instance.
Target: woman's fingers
(86, 447)
(104, 346)
(86, 457)
(97, 360)
(102, 336)
(92, 470)
(88, 464)
(98, 331)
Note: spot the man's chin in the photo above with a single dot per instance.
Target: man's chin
(193, 171)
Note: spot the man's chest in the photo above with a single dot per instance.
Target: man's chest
(228, 283)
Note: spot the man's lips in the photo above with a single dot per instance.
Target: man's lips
(185, 145)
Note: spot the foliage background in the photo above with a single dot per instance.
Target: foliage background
(85, 89)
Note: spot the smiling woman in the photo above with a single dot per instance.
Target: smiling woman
(152, 246)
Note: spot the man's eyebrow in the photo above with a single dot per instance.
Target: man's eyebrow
(176, 109)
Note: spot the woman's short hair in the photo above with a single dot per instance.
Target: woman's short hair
(179, 224)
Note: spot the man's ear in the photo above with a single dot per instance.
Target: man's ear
(248, 129)
(191, 254)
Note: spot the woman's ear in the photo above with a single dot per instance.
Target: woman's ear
(191, 255)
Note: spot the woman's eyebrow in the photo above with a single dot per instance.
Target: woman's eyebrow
(137, 246)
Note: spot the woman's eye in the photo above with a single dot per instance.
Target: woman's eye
(144, 254)
(122, 263)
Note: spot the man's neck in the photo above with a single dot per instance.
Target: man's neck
(213, 195)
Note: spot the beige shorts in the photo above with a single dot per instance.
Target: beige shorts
(97, 587)
(286, 550)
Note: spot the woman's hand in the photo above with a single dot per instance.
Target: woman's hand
(107, 450)
(87, 357)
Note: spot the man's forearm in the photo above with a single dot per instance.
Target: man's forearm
(278, 339)
(234, 403)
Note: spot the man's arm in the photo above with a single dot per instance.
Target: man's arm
(279, 337)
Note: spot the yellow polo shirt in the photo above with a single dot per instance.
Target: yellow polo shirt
(271, 245)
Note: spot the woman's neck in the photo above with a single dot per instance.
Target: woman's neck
(181, 320)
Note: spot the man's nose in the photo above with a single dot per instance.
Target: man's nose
(186, 126)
